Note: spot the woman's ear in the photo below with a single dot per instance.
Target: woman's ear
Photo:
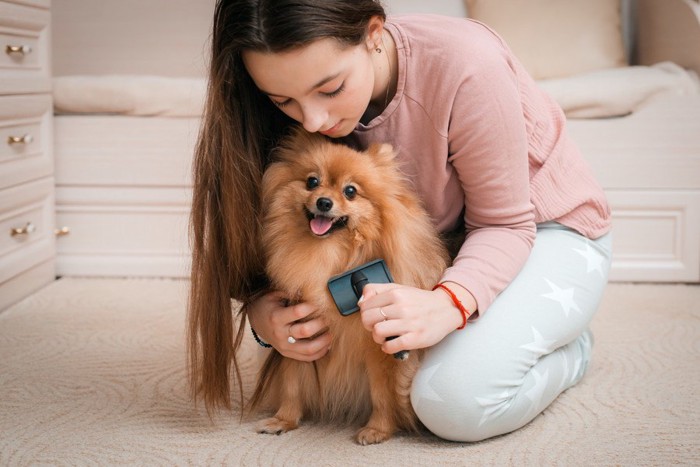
(375, 27)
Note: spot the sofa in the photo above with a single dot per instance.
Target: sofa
(126, 118)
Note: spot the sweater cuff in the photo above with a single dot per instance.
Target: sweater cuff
(480, 291)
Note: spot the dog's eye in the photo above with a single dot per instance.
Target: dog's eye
(350, 191)
(312, 182)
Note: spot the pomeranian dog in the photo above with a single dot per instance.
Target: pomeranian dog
(327, 209)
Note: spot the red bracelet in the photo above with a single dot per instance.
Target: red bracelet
(457, 303)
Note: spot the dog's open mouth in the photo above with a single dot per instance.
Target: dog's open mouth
(322, 225)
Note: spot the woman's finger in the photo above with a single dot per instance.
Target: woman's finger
(307, 329)
(307, 349)
(374, 289)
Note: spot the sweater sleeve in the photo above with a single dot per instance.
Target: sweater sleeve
(488, 149)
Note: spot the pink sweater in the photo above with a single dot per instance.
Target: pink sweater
(478, 138)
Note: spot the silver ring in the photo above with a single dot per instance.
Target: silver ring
(383, 314)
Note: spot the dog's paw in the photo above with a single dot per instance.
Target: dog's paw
(275, 426)
(368, 435)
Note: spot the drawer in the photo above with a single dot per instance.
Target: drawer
(656, 235)
(123, 230)
(118, 231)
(25, 138)
(26, 283)
(124, 150)
(26, 227)
(24, 44)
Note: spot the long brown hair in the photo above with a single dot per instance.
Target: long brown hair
(240, 127)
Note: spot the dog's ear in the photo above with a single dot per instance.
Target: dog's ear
(381, 152)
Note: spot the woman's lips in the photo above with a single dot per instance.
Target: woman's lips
(331, 130)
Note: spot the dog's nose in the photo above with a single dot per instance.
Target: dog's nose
(324, 204)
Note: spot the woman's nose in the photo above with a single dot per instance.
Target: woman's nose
(314, 119)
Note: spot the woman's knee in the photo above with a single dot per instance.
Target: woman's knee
(461, 405)
(451, 412)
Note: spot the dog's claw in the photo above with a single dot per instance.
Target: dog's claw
(275, 426)
(367, 436)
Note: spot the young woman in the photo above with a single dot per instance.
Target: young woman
(486, 150)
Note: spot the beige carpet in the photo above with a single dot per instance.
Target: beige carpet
(92, 372)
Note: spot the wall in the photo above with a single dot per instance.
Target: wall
(163, 37)
(168, 37)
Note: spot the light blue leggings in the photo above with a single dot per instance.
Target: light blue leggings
(532, 343)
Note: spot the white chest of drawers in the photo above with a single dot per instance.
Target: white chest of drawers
(27, 241)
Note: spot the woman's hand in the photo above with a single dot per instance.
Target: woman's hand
(275, 323)
(419, 318)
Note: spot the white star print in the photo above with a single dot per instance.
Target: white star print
(539, 346)
(578, 363)
(566, 375)
(594, 261)
(494, 405)
(581, 362)
(536, 393)
(569, 375)
(565, 297)
(422, 380)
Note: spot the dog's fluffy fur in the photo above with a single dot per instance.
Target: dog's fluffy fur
(380, 217)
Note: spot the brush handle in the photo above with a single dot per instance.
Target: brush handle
(358, 281)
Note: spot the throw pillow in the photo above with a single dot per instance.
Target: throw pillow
(557, 38)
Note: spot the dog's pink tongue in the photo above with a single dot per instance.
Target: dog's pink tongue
(320, 225)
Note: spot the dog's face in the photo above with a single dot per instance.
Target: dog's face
(328, 191)
(329, 203)
(339, 193)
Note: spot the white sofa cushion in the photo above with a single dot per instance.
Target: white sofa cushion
(619, 91)
(603, 93)
(129, 95)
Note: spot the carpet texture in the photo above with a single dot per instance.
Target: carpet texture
(92, 372)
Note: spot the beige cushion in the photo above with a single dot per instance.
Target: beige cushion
(557, 38)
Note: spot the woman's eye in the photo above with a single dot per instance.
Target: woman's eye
(312, 182)
(281, 104)
(336, 92)
(350, 192)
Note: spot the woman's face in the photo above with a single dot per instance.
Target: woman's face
(324, 85)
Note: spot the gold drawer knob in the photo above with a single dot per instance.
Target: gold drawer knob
(24, 139)
(26, 230)
(18, 50)
(62, 232)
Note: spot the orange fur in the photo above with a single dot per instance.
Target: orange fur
(355, 381)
